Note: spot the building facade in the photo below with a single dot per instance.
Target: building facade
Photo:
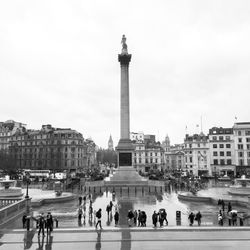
(7, 129)
(174, 158)
(222, 153)
(197, 156)
(241, 131)
(148, 154)
(49, 148)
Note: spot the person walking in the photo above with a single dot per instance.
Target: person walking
(135, 217)
(99, 217)
(80, 214)
(24, 220)
(108, 210)
(130, 218)
(144, 219)
(41, 224)
(155, 218)
(191, 219)
(198, 217)
(139, 218)
(116, 217)
(161, 219)
(220, 218)
(80, 200)
(49, 223)
(229, 207)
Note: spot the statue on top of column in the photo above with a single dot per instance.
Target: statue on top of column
(124, 45)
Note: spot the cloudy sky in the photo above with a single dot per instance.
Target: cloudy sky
(58, 65)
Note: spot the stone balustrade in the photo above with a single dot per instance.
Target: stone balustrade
(12, 210)
(7, 201)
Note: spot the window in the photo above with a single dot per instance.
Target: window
(248, 146)
(214, 138)
(198, 145)
(214, 145)
(240, 154)
(240, 140)
(241, 162)
(229, 162)
(248, 139)
(227, 137)
(248, 132)
(221, 153)
(228, 153)
(239, 133)
(240, 146)
(222, 162)
(190, 159)
(215, 162)
(221, 145)
(190, 145)
(228, 146)
(215, 153)
(221, 138)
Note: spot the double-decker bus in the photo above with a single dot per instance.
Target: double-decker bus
(35, 174)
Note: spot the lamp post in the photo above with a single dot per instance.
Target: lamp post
(27, 198)
(27, 185)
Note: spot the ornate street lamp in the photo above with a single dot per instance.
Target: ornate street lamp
(27, 198)
(27, 177)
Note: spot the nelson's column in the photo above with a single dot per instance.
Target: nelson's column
(125, 149)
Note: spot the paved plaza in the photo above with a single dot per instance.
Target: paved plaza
(126, 239)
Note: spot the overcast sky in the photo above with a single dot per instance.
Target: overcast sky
(59, 65)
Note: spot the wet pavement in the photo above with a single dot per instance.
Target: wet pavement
(129, 239)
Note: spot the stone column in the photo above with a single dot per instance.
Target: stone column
(124, 60)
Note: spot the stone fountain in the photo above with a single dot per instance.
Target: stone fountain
(241, 186)
(8, 188)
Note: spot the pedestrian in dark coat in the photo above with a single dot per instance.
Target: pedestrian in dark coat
(198, 218)
(24, 220)
(41, 223)
(49, 223)
(155, 218)
(191, 219)
(116, 217)
(229, 208)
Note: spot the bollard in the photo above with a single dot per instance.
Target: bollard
(178, 215)
(178, 218)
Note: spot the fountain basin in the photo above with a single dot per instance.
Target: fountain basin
(8, 189)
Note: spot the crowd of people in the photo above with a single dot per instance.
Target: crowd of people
(192, 217)
(42, 222)
(230, 214)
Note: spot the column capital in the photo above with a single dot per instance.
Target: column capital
(124, 59)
